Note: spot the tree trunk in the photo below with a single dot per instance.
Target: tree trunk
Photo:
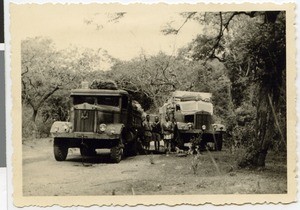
(33, 119)
(34, 115)
(265, 129)
(256, 154)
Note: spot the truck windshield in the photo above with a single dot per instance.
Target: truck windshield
(108, 100)
(83, 99)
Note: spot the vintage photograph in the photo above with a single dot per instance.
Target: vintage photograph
(135, 101)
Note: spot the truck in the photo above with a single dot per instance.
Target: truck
(101, 116)
(193, 115)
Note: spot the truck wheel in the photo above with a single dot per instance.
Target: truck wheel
(202, 145)
(60, 152)
(219, 143)
(131, 149)
(139, 147)
(134, 148)
(116, 154)
(87, 151)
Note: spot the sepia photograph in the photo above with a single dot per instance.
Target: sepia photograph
(114, 103)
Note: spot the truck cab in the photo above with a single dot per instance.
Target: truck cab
(99, 118)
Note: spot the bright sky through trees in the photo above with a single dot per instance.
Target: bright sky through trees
(95, 27)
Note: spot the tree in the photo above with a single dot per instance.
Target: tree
(252, 47)
(43, 72)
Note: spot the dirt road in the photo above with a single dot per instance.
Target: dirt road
(144, 174)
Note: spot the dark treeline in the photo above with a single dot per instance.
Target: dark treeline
(240, 59)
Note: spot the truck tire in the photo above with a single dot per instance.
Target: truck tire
(139, 147)
(116, 154)
(60, 152)
(219, 142)
(131, 146)
(131, 149)
(134, 149)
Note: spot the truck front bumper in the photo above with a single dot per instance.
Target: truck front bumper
(86, 135)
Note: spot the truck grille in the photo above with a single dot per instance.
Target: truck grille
(202, 119)
(84, 120)
(105, 117)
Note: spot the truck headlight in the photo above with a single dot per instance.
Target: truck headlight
(102, 127)
(203, 127)
(66, 128)
(215, 127)
(190, 125)
(182, 126)
(111, 130)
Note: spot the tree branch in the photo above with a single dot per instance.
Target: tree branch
(25, 72)
(46, 96)
(185, 21)
(31, 84)
(223, 27)
(176, 31)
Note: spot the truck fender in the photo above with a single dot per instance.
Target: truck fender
(114, 129)
(219, 127)
(61, 127)
(130, 136)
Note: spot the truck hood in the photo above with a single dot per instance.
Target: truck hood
(87, 106)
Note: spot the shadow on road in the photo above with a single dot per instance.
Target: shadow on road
(97, 159)
(153, 152)
(105, 157)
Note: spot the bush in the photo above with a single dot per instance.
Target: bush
(27, 125)
(39, 129)
(44, 128)
(240, 126)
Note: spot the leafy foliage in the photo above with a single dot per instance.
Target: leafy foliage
(153, 78)
(44, 72)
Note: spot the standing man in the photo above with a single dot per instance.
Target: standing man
(142, 132)
(174, 141)
(147, 127)
(168, 132)
(156, 132)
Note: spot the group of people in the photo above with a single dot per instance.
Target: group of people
(155, 131)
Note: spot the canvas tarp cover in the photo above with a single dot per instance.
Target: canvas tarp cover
(189, 96)
(190, 107)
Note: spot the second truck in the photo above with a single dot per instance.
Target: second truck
(193, 114)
